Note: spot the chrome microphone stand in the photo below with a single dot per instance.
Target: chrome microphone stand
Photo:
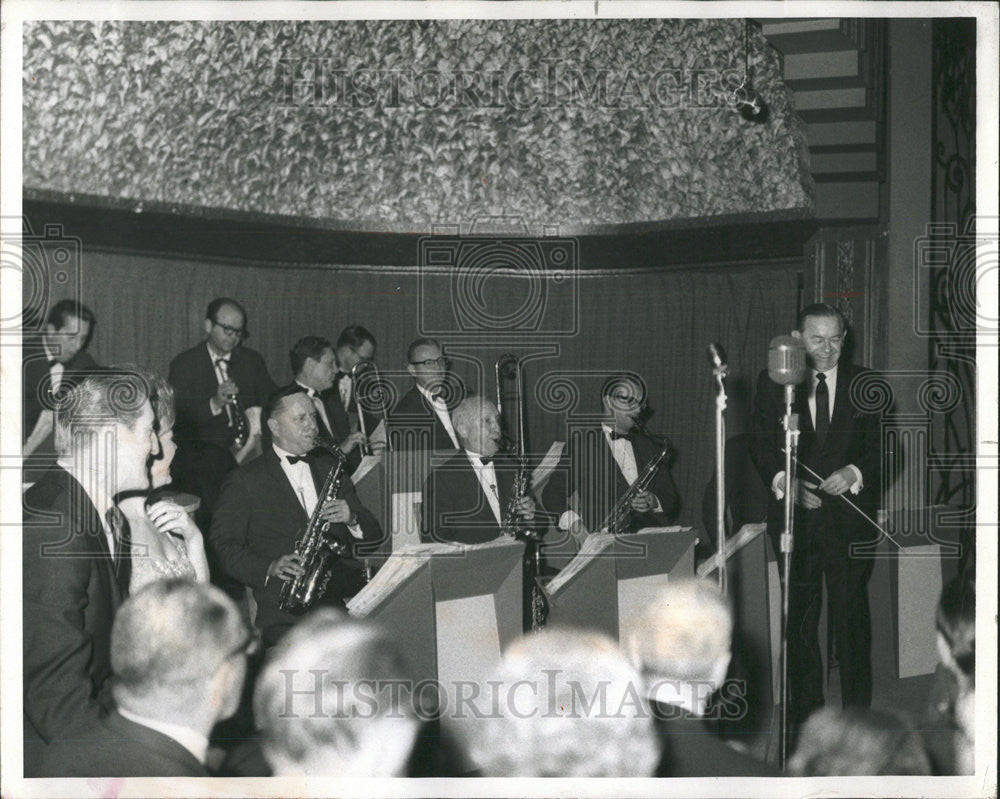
(791, 425)
(720, 371)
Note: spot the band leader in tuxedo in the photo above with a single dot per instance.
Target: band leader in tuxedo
(605, 462)
(47, 366)
(266, 504)
(76, 557)
(466, 498)
(424, 413)
(354, 345)
(842, 444)
(315, 368)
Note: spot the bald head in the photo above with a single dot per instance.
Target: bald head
(477, 425)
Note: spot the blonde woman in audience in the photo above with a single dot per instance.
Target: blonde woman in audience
(165, 541)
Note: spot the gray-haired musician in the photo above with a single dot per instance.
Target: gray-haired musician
(266, 505)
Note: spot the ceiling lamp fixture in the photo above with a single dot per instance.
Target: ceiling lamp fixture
(745, 98)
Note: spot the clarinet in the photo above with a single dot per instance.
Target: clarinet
(616, 522)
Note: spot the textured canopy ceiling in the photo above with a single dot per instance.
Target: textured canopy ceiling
(402, 125)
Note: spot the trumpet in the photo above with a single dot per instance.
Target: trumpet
(362, 365)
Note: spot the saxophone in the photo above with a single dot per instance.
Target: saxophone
(315, 549)
(240, 424)
(617, 521)
(512, 525)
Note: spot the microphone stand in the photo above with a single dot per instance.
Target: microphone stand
(720, 371)
(791, 424)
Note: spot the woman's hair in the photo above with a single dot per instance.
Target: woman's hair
(956, 622)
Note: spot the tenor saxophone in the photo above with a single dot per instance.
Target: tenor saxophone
(316, 550)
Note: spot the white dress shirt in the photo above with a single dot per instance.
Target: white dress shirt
(487, 474)
(221, 375)
(56, 369)
(441, 409)
(300, 477)
(318, 404)
(344, 387)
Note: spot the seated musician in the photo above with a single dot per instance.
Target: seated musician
(424, 416)
(604, 464)
(315, 367)
(265, 506)
(355, 347)
(468, 497)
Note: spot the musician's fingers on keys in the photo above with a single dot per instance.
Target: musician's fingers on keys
(336, 511)
(526, 508)
(643, 502)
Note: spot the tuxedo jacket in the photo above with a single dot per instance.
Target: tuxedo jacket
(597, 482)
(340, 424)
(259, 518)
(854, 437)
(71, 595)
(690, 749)
(455, 507)
(413, 424)
(192, 375)
(35, 382)
(118, 747)
(372, 416)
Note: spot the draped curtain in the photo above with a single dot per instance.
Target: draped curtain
(657, 324)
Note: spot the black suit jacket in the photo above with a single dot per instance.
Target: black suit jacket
(597, 482)
(259, 518)
(853, 438)
(192, 375)
(71, 595)
(340, 423)
(37, 397)
(118, 747)
(454, 506)
(414, 425)
(691, 749)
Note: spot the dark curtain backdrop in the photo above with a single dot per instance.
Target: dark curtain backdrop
(656, 324)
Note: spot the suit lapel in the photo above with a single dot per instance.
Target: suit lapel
(842, 399)
(87, 521)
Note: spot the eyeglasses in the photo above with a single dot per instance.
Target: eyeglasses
(429, 362)
(232, 331)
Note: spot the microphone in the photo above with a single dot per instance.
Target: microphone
(717, 355)
(786, 360)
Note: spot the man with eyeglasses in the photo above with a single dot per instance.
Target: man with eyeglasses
(356, 344)
(604, 462)
(422, 419)
(179, 652)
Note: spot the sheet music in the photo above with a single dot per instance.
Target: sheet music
(593, 544)
(747, 533)
(367, 464)
(399, 568)
(544, 469)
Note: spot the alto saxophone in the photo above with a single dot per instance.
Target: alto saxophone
(512, 525)
(617, 521)
(240, 424)
(316, 550)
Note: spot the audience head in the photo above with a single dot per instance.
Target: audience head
(109, 401)
(823, 330)
(354, 344)
(477, 425)
(178, 653)
(67, 329)
(225, 324)
(956, 628)
(161, 397)
(426, 363)
(290, 418)
(333, 699)
(681, 643)
(313, 363)
(570, 706)
(623, 400)
(858, 742)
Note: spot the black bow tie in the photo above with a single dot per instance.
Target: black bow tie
(293, 459)
(629, 436)
(52, 362)
(486, 461)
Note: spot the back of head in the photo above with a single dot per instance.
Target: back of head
(333, 698)
(168, 642)
(857, 742)
(87, 402)
(570, 705)
(956, 626)
(683, 634)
